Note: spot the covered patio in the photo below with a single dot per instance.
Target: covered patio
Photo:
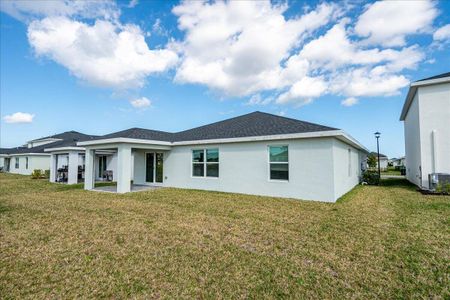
(66, 164)
(138, 164)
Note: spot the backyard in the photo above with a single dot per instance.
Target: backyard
(59, 241)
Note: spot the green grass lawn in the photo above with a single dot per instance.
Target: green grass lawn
(391, 171)
(58, 241)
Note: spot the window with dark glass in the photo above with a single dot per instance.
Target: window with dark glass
(26, 162)
(17, 162)
(205, 162)
(279, 162)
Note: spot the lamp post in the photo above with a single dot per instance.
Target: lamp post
(377, 135)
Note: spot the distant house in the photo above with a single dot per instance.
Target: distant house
(257, 153)
(31, 156)
(426, 116)
(383, 160)
(397, 162)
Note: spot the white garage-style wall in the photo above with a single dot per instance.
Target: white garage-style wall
(434, 118)
(412, 140)
(35, 161)
(346, 166)
(244, 168)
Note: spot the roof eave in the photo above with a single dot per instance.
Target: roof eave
(121, 140)
(64, 149)
(413, 89)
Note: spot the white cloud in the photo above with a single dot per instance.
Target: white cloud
(367, 82)
(142, 103)
(442, 34)
(26, 10)
(245, 48)
(257, 99)
(350, 101)
(104, 54)
(19, 117)
(133, 3)
(345, 52)
(304, 91)
(237, 47)
(388, 22)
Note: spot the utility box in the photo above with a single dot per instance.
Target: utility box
(436, 179)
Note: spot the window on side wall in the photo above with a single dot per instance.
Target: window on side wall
(205, 162)
(17, 163)
(26, 163)
(279, 163)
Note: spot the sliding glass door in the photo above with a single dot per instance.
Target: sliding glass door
(154, 167)
(101, 166)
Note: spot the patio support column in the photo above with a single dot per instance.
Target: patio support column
(89, 169)
(123, 168)
(72, 177)
(52, 167)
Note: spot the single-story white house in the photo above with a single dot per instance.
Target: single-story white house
(383, 160)
(257, 153)
(397, 162)
(426, 116)
(31, 156)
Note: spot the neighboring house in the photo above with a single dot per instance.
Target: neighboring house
(426, 116)
(383, 160)
(67, 161)
(23, 160)
(397, 162)
(257, 153)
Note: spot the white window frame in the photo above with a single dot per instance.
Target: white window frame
(17, 163)
(205, 162)
(269, 163)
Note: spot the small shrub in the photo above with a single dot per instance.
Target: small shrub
(36, 174)
(371, 177)
(443, 188)
(47, 174)
(372, 161)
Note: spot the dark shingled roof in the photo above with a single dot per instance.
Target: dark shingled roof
(376, 154)
(139, 133)
(249, 125)
(443, 75)
(67, 136)
(68, 139)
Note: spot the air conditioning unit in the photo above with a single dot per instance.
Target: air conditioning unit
(435, 179)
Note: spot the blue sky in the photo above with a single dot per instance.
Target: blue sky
(100, 67)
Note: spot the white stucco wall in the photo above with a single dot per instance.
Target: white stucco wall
(2, 162)
(434, 115)
(41, 162)
(244, 168)
(347, 167)
(383, 163)
(412, 142)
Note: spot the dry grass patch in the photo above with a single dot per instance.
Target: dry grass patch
(376, 242)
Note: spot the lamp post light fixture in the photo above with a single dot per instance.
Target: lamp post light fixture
(377, 135)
